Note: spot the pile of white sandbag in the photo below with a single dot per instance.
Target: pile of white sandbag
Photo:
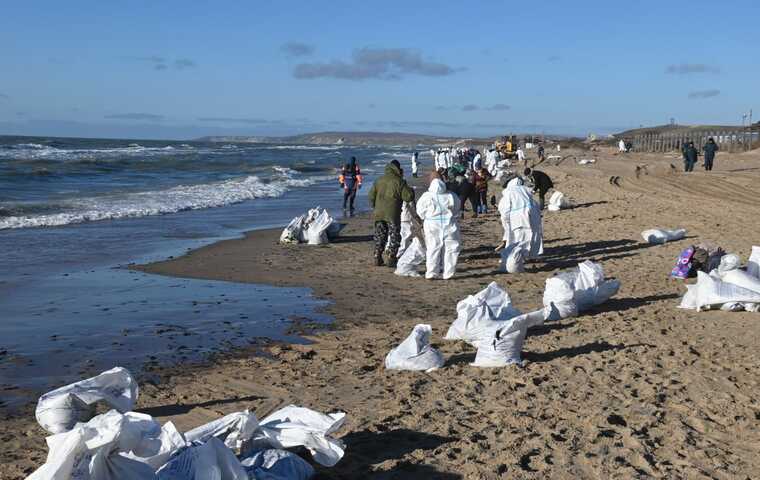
(489, 322)
(415, 353)
(513, 257)
(315, 227)
(412, 257)
(658, 236)
(574, 291)
(727, 287)
(558, 201)
(120, 445)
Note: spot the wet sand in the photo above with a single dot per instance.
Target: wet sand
(635, 388)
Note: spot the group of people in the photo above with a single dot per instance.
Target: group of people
(439, 210)
(691, 155)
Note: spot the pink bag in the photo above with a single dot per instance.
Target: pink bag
(683, 264)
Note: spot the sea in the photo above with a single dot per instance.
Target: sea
(76, 212)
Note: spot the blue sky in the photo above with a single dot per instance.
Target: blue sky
(180, 70)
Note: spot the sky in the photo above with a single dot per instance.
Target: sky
(181, 70)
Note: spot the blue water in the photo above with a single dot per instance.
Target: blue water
(73, 212)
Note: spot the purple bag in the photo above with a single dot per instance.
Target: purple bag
(683, 264)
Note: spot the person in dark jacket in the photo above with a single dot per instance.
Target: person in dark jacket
(480, 181)
(684, 148)
(351, 181)
(386, 198)
(541, 184)
(710, 149)
(463, 188)
(690, 155)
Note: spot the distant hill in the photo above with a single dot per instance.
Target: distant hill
(347, 138)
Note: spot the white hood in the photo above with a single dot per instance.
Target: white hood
(437, 186)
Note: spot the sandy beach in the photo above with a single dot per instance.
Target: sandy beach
(635, 388)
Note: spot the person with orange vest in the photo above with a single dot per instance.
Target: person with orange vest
(351, 181)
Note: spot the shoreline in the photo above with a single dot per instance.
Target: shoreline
(616, 392)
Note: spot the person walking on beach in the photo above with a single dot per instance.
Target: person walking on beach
(710, 149)
(541, 153)
(542, 183)
(386, 198)
(351, 181)
(415, 157)
(480, 180)
(521, 156)
(521, 218)
(690, 157)
(439, 211)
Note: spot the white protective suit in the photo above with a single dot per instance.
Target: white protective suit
(521, 218)
(477, 162)
(439, 211)
(414, 164)
(520, 155)
(440, 160)
(621, 146)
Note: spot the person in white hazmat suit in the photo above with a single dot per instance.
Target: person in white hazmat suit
(415, 166)
(439, 211)
(621, 146)
(521, 218)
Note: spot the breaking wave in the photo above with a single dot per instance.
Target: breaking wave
(142, 204)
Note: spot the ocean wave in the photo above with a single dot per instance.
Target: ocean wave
(33, 151)
(172, 200)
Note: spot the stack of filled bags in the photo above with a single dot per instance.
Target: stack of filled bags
(121, 444)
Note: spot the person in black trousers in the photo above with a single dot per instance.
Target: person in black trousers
(710, 149)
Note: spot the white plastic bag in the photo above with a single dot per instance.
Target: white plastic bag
(479, 315)
(297, 426)
(505, 346)
(742, 279)
(111, 446)
(273, 464)
(415, 352)
(316, 231)
(233, 429)
(713, 293)
(513, 258)
(59, 410)
(729, 262)
(558, 201)
(413, 256)
(292, 233)
(658, 236)
(589, 289)
(560, 293)
(753, 266)
(208, 461)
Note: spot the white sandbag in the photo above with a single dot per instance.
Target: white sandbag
(293, 232)
(753, 266)
(713, 293)
(658, 236)
(586, 161)
(729, 262)
(415, 352)
(513, 258)
(591, 297)
(480, 315)
(690, 299)
(111, 446)
(505, 346)
(742, 279)
(297, 426)
(233, 429)
(207, 461)
(589, 289)
(413, 256)
(273, 464)
(559, 293)
(316, 231)
(558, 201)
(59, 410)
